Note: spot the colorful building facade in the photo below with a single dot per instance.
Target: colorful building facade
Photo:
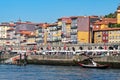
(85, 24)
(118, 15)
(74, 26)
(64, 25)
(109, 35)
(68, 30)
(3, 33)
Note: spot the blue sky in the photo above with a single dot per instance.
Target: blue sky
(51, 10)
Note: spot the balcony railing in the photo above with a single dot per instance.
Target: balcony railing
(53, 29)
(73, 27)
(59, 28)
(73, 33)
(40, 36)
(40, 31)
(40, 41)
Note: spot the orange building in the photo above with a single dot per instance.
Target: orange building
(104, 23)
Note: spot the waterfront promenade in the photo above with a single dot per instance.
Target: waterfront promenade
(113, 61)
(36, 56)
(66, 59)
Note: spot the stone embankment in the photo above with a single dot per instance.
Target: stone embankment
(66, 60)
(113, 61)
(51, 60)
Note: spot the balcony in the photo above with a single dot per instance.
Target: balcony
(41, 36)
(56, 40)
(73, 27)
(73, 33)
(59, 28)
(73, 40)
(53, 29)
(14, 38)
(40, 31)
(40, 41)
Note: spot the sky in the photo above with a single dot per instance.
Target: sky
(50, 10)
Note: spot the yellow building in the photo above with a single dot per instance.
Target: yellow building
(59, 24)
(27, 38)
(118, 15)
(101, 29)
(41, 34)
(64, 31)
(3, 34)
(53, 34)
(11, 39)
(114, 35)
(31, 40)
(109, 35)
(98, 36)
(83, 36)
(84, 28)
(104, 23)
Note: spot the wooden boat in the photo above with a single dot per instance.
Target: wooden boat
(93, 65)
(99, 66)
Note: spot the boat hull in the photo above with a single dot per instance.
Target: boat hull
(92, 66)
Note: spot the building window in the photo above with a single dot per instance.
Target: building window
(106, 38)
(103, 38)
(109, 32)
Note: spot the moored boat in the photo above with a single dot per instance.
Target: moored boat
(99, 66)
(93, 64)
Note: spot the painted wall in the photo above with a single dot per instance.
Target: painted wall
(98, 37)
(103, 26)
(31, 40)
(3, 34)
(83, 24)
(59, 23)
(118, 16)
(83, 37)
(114, 36)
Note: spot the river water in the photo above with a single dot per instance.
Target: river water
(45, 72)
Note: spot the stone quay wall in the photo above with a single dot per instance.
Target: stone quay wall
(113, 61)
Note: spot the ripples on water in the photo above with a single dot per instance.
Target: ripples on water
(43, 72)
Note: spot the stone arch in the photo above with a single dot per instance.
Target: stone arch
(41, 48)
(53, 48)
(100, 47)
(81, 48)
(68, 49)
(110, 48)
(73, 48)
(59, 48)
(89, 47)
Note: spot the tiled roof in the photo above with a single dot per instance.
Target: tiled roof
(25, 32)
(12, 25)
(27, 27)
(107, 29)
(93, 16)
(73, 17)
(10, 29)
(66, 19)
(106, 21)
(54, 24)
(63, 18)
